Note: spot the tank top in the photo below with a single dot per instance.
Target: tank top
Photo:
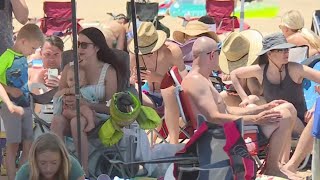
(97, 91)
(287, 90)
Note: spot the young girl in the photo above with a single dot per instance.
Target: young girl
(49, 160)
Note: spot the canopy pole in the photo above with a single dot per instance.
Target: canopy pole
(136, 46)
(76, 73)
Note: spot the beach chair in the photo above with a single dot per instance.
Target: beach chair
(315, 26)
(213, 152)
(57, 19)
(147, 11)
(43, 118)
(223, 14)
(174, 78)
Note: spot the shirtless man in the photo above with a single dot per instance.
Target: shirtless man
(275, 118)
(51, 57)
(156, 56)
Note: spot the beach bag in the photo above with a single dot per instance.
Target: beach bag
(145, 11)
(221, 151)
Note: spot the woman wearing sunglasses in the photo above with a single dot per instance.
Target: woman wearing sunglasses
(281, 79)
(105, 78)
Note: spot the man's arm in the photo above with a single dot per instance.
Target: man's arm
(177, 58)
(204, 100)
(20, 10)
(133, 73)
(246, 111)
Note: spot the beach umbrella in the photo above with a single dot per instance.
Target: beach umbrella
(76, 71)
(136, 47)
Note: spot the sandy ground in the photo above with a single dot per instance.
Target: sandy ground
(95, 11)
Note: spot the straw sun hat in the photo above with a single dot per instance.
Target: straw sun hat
(194, 28)
(240, 49)
(149, 39)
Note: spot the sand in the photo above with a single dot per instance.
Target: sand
(95, 10)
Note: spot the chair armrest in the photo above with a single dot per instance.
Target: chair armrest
(44, 98)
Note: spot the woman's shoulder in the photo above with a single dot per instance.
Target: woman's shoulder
(297, 39)
(76, 169)
(23, 172)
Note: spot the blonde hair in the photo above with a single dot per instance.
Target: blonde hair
(49, 142)
(31, 32)
(294, 21)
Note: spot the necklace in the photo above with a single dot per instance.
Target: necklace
(279, 69)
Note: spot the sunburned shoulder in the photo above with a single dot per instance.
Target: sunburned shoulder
(193, 79)
(173, 50)
(297, 39)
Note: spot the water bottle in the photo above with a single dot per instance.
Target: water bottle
(250, 145)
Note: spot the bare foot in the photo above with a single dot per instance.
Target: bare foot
(291, 174)
(286, 175)
(15, 109)
(89, 127)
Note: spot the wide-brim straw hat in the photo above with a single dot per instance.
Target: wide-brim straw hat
(240, 49)
(149, 39)
(194, 28)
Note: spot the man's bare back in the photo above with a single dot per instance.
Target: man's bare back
(159, 62)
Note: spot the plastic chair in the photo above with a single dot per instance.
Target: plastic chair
(57, 18)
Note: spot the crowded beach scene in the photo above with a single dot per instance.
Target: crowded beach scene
(159, 90)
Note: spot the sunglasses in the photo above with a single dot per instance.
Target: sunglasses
(281, 50)
(84, 45)
(213, 51)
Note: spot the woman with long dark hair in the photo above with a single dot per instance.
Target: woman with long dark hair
(105, 77)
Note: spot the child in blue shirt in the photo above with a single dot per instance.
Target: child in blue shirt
(14, 78)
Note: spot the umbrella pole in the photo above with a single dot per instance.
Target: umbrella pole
(76, 73)
(242, 15)
(136, 46)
